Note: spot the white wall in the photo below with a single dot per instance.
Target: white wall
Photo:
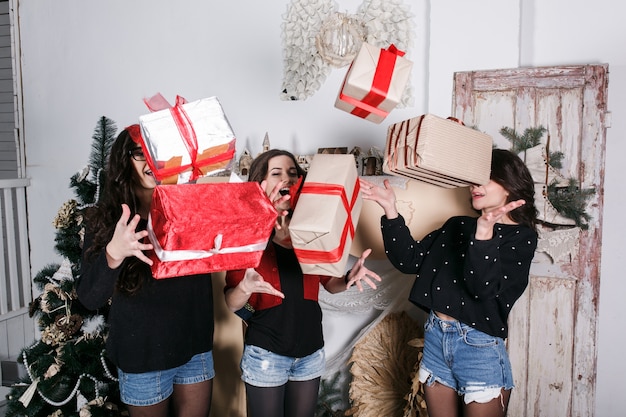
(86, 59)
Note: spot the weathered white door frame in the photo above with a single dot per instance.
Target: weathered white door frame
(553, 327)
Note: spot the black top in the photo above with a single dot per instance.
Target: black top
(160, 327)
(475, 281)
(294, 327)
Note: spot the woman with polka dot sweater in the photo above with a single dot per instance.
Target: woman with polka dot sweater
(469, 273)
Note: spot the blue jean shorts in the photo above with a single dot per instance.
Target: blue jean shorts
(262, 368)
(151, 388)
(474, 364)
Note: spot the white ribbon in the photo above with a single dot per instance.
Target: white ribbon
(186, 255)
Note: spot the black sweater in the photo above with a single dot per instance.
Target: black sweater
(475, 281)
(161, 327)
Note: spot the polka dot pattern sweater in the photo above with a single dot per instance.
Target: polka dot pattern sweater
(475, 281)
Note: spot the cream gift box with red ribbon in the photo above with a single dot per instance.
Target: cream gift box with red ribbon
(438, 151)
(374, 83)
(188, 140)
(326, 215)
(208, 227)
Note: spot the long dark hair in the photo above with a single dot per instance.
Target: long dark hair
(260, 165)
(508, 170)
(118, 188)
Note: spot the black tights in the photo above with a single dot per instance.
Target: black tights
(443, 401)
(294, 399)
(188, 400)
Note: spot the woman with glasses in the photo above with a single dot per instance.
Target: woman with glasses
(160, 331)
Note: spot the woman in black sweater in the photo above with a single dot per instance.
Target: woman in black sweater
(469, 273)
(160, 331)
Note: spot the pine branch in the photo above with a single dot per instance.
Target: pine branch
(330, 396)
(556, 159)
(103, 137)
(530, 138)
(571, 201)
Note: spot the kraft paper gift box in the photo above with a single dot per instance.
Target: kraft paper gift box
(208, 227)
(374, 83)
(326, 215)
(188, 140)
(438, 151)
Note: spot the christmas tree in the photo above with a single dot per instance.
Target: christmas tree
(67, 371)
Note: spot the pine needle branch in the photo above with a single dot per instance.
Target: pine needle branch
(571, 201)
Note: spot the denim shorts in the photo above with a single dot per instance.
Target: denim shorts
(467, 360)
(262, 368)
(151, 388)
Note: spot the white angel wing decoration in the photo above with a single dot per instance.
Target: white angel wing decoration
(304, 70)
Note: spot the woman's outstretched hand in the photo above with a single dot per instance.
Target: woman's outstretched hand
(360, 273)
(126, 242)
(253, 282)
(385, 197)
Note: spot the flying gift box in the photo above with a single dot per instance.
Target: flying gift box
(326, 215)
(438, 151)
(188, 140)
(374, 83)
(208, 227)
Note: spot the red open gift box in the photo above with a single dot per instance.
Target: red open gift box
(208, 227)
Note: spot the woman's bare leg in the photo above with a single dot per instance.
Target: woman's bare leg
(192, 400)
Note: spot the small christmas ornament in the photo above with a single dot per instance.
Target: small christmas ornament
(64, 273)
(65, 216)
(27, 396)
(340, 39)
(82, 175)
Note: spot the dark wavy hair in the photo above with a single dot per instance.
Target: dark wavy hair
(119, 187)
(260, 165)
(508, 170)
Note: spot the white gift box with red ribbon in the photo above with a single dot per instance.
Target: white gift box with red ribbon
(438, 151)
(187, 140)
(374, 83)
(326, 215)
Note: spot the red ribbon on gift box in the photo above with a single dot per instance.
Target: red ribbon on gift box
(188, 134)
(309, 256)
(380, 85)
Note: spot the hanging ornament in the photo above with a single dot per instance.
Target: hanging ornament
(81, 402)
(339, 39)
(82, 175)
(65, 216)
(27, 396)
(64, 273)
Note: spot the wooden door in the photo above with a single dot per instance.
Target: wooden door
(552, 339)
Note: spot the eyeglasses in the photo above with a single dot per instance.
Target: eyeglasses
(137, 154)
